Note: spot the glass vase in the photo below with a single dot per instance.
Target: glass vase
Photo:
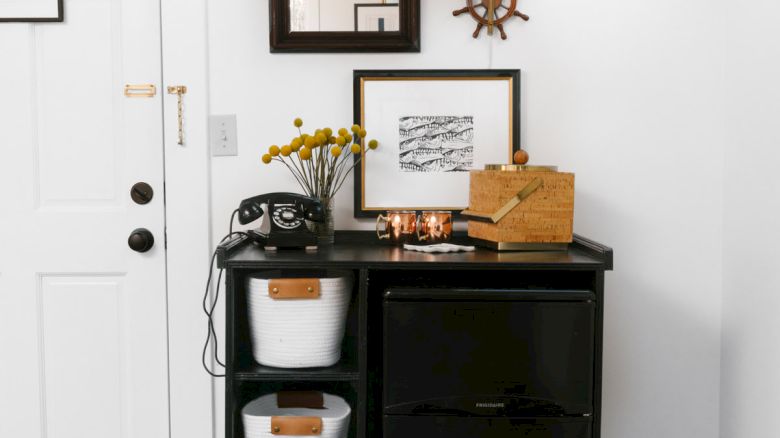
(325, 230)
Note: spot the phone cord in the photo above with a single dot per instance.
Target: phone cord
(208, 307)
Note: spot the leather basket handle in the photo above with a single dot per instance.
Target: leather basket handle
(296, 426)
(294, 288)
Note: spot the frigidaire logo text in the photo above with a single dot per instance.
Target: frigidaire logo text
(490, 405)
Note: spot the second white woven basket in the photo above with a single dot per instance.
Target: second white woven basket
(257, 416)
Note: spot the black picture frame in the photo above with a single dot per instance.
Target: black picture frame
(282, 40)
(58, 19)
(358, 78)
(370, 5)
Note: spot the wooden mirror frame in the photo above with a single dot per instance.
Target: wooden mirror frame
(285, 41)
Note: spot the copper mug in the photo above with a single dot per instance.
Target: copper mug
(399, 226)
(434, 227)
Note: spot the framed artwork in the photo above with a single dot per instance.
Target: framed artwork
(434, 126)
(376, 17)
(31, 10)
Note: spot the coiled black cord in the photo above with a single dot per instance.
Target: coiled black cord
(208, 308)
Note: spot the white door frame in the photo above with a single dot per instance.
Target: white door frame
(188, 206)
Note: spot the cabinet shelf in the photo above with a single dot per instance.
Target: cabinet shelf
(344, 371)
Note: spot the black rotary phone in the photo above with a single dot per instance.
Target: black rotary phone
(288, 213)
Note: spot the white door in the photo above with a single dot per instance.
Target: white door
(83, 341)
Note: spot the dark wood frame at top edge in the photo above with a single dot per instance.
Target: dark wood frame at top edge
(284, 41)
(359, 75)
(58, 19)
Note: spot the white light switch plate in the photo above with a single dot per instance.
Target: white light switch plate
(222, 134)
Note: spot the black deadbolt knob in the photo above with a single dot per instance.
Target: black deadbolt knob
(141, 193)
(141, 240)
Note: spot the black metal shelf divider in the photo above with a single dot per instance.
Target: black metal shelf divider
(362, 353)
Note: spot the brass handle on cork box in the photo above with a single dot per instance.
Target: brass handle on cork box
(527, 191)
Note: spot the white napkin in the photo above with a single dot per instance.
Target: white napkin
(439, 247)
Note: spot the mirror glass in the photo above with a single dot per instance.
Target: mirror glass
(344, 16)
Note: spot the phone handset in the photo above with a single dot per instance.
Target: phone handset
(301, 207)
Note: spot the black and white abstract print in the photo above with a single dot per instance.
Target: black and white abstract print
(436, 143)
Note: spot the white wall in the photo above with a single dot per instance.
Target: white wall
(750, 395)
(626, 93)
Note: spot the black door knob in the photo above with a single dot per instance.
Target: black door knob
(141, 240)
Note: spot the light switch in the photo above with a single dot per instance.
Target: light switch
(222, 135)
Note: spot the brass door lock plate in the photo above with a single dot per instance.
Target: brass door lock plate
(140, 90)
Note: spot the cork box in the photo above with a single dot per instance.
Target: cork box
(544, 214)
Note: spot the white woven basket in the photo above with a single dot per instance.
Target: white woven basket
(298, 333)
(257, 416)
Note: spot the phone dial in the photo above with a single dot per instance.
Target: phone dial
(288, 213)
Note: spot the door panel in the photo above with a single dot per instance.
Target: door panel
(84, 330)
(85, 358)
(92, 81)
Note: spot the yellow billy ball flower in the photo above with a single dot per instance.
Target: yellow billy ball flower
(327, 131)
(310, 142)
(348, 138)
(296, 144)
(355, 148)
(362, 133)
(332, 140)
(274, 150)
(343, 132)
(355, 128)
(321, 139)
(286, 150)
(298, 122)
(373, 144)
(305, 153)
(340, 140)
(267, 158)
(336, 151)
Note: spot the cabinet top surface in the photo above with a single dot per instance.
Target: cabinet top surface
(582, 254)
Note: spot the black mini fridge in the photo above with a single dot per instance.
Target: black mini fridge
(488, 363)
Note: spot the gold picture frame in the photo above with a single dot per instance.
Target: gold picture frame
(363, 77)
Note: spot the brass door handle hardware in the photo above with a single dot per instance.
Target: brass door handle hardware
(140, 90)
(179, 91)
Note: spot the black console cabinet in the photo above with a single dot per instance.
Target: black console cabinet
(537, 375)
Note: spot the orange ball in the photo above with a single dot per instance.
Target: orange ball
(521, 157)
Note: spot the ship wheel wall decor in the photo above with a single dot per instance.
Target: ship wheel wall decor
(491, 13)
